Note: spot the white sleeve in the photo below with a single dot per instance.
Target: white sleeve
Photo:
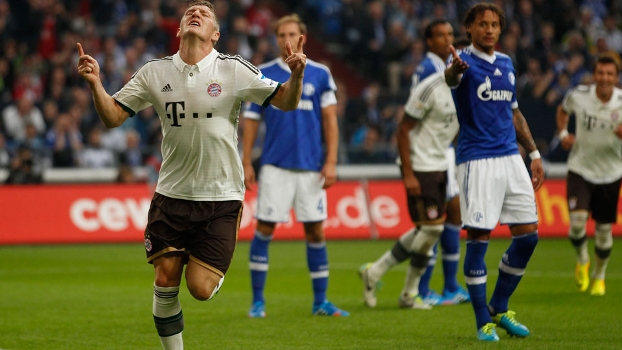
(252, 84)
(134, 94)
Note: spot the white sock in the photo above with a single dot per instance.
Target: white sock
(166, 305)
(381, 266)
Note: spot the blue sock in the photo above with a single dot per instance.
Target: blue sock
(317, 261)
(424, 282)
(259, 264)
(512, 269)
(450, 243)
(475, 274)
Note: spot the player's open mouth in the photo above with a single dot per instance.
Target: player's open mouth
(194, 23)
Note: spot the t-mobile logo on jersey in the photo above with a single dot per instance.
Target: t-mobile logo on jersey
(486, 93)
(176, 112)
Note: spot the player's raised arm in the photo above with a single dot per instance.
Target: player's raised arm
(288, 96)
(457, 67)
(109, 111)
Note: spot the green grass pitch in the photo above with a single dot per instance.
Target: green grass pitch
(99, 297)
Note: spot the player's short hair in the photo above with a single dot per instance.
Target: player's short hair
(480, 8)
(607, 58)
(210, 6)
(429, 29)
(461, 42)
(293, 18)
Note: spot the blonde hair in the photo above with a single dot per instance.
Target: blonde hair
(293, 18)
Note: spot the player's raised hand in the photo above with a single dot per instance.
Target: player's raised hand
(297, 61)
(88, 67)
(458, 66)
(618, 131)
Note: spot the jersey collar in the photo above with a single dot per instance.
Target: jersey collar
(201, 65)
(481, 54)
(283, 65)
(436, 59)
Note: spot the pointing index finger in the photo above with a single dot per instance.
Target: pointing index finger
(80, 50)
(452, 49)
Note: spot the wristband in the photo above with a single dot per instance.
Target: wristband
(534, 155)
(563, 134)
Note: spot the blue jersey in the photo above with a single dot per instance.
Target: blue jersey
(431, 64)
(485, 99)
(294, 139)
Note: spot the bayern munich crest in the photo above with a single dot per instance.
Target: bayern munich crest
(214, 89)
(432, 212)
(148, 245)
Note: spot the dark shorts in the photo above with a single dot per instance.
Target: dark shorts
(430, 205)
(206, 231)
(600, 200)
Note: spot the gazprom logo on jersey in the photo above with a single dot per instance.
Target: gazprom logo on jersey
(486, 93)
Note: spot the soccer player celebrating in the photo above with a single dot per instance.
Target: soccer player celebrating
(423, 137)
(298, 164)
(196, 209)
(594, 166)
(494, 182)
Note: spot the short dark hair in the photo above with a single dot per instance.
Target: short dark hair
(607, 58)
(480, 8)
(461, 42)
(427, 32)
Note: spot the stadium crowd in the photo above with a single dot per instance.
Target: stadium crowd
(47, 118)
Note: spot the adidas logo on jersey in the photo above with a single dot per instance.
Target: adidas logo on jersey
(497, 72)
(167, 88)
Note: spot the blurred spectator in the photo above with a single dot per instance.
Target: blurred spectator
(133, 154)
(16, 116)
(361, 112)
(371, 150)
(6, 80)
(22, 169)
(125, 174)
(589, 25)
(260, 18)
(36, 144)
(612, 34)
(529, 22)
(94, 155)
(5, 156)
(558, 89)
(65, 140)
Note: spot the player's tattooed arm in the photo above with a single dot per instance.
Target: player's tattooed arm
(523, 134)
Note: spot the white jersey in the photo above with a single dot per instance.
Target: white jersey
(199, 107)
(431, 103)
(597, 152)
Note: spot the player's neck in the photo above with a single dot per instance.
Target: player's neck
(604, 94)
(192, 51)
(489, 51)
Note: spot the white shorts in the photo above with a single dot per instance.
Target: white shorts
(452, 182)
(281, 189)
(496, 190)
